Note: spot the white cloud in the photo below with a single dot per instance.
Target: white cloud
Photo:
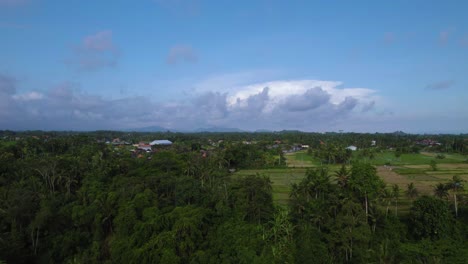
(281, 91)
(289, 104)
(95, 52)
(283, 104)
(29, 96)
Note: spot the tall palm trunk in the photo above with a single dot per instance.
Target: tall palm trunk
(456, 205)
(396, 207)
(367, 208)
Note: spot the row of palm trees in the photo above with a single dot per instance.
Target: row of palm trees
(442, 190)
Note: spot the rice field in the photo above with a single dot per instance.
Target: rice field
(409, 168)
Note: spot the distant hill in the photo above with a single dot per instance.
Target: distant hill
(289, 131)
(399, 133)
(217, 129)
(263, 131)
(198, 130)
(149, 129)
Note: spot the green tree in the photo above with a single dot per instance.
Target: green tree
(350, 230)
(411, 191)
(280, 237)
(342, 176)
(430, 218)
(365, 182)
(433, 165)
(456, 185)
(441, 190)
(396, 196)
(386, 198)
(251, 197)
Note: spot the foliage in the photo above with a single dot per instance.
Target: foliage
(433, 165)
(68, 197)
(430, 218)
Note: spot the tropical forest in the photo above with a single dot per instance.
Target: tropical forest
(266, 197)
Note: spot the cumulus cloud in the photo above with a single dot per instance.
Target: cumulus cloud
(369, 106)
(255, 103)
(347, 105)
(311, 99)
(212, 105)
(280, 90)
(29, 96)
(293, 104)
(181, 53)
(441, 85)
(64, 107)
(95, 52)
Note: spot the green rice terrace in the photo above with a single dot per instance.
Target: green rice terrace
(406, 169)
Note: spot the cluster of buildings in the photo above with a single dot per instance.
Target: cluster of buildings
(428, 142)
(141, 147)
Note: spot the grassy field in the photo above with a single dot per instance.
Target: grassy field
(413, 159)
(7, 143)
(281, 180)
(408, 168)
(301, 159)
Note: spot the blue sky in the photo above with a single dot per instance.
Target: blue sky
(364, 66)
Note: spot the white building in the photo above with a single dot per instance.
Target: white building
(353, 148)
(163, 142)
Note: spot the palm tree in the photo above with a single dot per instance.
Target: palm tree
(412, 192)
(455, 185)
(319, 181)
(396, 195)
(441, 190)
(386, 197)
(342, 177)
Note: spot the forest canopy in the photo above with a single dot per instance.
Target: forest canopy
(70, 197)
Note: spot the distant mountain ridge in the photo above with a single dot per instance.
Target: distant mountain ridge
(198, 130)
(217, 129)
(149, 129)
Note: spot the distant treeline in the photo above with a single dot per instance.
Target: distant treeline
(398, 140)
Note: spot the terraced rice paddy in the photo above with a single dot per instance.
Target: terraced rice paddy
(409, 168)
